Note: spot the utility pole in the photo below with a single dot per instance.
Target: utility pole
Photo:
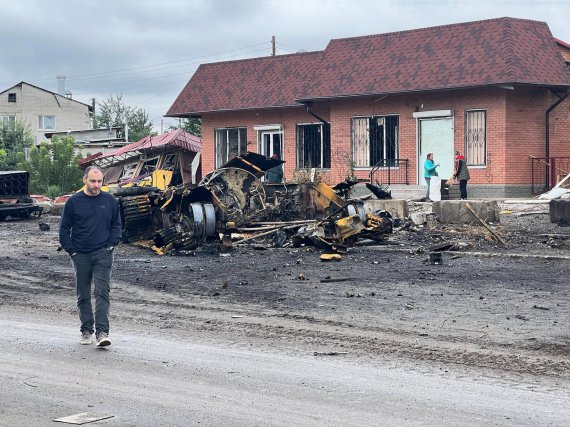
(272, 45)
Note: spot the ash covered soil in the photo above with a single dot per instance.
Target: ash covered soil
(501, 309)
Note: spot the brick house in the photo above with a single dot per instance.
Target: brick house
(495, 89)
(43, 110)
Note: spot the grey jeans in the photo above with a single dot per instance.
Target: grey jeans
(93, 267)
(428, 182)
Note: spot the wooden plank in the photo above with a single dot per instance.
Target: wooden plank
(468, 206)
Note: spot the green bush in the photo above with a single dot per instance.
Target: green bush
(53, 191)
(54, 164)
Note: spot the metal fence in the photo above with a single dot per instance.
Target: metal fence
(390, 171)
(547, 172)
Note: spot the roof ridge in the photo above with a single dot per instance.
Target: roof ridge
(271, 57)
(509, 51)
(561, 42)
(418, 30)
(45, 90)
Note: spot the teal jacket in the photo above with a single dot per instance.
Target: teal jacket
(429, 169)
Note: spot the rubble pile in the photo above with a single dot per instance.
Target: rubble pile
(233, 206)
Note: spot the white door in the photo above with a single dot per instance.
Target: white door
(436, 136)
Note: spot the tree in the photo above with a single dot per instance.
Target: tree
(54, 164)
(113, 112)
(139, 125)
(192, 125)
(15, 139)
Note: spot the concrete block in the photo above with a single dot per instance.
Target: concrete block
(396, 208)
(456, 212)
(559, 210)
(419, 218)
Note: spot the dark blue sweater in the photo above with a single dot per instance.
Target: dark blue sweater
(89, 223)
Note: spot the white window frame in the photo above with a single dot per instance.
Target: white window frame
(222, 156)
(42, 122)
(269, 130)
(9, 120)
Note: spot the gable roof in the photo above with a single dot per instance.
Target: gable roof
(496, 51)
(45, 90)
(274, 81)
(472, 54)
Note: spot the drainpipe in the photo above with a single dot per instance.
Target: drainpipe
(547, 139)
(320, 119)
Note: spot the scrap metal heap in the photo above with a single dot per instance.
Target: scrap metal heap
(15, 200)
(232, 206)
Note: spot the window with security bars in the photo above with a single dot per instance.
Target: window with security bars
(374, 140)
(230, 142)
(476, 137)
(314, 146)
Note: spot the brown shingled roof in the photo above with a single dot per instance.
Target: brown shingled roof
(274, 81)
(495, 51)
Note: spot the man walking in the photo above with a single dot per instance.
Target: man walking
(89, 231)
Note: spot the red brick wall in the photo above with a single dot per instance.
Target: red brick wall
(288, 117)
(515, 129)
(491, 100)
(560, 129)
(526, 130)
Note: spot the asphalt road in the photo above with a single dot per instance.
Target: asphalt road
(151, 378)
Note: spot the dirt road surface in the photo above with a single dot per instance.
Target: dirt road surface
(276, 337)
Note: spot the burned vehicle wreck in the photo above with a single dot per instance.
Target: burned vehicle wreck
(232, 205)
(15, 201)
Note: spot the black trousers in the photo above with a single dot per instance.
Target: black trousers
(463, 188)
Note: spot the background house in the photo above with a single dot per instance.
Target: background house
(43, 110)
(374, 106)
(92, 141)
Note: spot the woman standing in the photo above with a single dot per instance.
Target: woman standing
(429, 171)
(461, 173)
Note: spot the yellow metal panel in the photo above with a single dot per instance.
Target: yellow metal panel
(161, 178)
(329, 193)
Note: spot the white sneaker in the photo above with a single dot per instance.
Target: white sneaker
(103, 339)
(86, 338)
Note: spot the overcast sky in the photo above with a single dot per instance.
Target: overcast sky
(146, 50)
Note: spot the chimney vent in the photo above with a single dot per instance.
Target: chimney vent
(61, 85)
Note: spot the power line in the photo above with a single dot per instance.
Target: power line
(136, 81)
(142, 67)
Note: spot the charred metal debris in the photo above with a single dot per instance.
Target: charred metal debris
(232, 206)
(15, 201)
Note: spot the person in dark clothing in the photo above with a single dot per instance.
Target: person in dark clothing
(275, 174)
(461, 173)
(89, 231)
